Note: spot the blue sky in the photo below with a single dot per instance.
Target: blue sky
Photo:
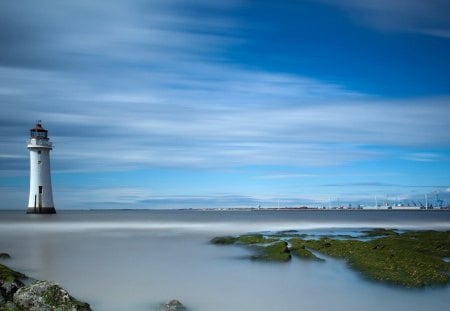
(166, 104)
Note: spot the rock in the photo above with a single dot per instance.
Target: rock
(174, 305)
(46, 296)
(9, 282)
(4, 256)
(9, 306)
(7, 289)
(2, 299)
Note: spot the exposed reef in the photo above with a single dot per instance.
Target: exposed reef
(265, 248)
(411, 259)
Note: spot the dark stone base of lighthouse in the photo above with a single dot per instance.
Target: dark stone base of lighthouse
(41, 210)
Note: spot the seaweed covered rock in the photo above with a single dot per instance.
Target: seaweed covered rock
(298, 249)
(249, 239)
(223, 240)
(265, 248)
(9, 282)
(408, 258)
(413, 259)
(277, 251)
(379, 232)
(246, 239)
(45, 295)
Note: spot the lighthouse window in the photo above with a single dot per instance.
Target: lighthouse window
(38, 134)
(39, 151)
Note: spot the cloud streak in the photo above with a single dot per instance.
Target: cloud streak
(281, 120)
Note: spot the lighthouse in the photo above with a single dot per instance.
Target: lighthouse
(41, 196)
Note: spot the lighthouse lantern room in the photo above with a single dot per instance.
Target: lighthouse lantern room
(41, 196)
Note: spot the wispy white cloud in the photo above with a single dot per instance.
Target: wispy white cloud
(264, 119)
(444, 33)
(423, 157)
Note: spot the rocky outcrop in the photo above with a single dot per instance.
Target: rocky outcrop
(39, 295)
(9, 306)
(9, 283)
(174, 305)
(7, 289)
(45, 295)
(4, 256)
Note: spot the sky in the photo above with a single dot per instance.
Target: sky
(181, 104)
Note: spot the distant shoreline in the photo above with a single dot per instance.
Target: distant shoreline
(249, 209)
(301, 209)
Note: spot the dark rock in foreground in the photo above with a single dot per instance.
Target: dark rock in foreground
(37, 296)
(45, 295)
(174, 305)
(10, 282)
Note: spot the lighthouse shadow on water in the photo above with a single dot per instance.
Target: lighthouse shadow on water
(41, 196)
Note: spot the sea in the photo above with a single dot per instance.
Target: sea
(138, 259)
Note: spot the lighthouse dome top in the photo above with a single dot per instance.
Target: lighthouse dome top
(38, 131)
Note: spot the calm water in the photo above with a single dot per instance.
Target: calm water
(135, 260)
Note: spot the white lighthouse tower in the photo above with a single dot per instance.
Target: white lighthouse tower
(41, 196)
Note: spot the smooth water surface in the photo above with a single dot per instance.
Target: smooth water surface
(135, 260)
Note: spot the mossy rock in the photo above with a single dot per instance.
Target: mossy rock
(224, 240)
(254, 239)
(277, 251)
(44, 295)
(9, 275)
(10, 282)
(379, 232)
(9, 306)
(412, 259)
(298, 249)
(247, 239)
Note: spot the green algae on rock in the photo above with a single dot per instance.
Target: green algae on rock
(10, 282)
(246, 239)
(45, 295)
(37, 296)
(378, 232)
(265, 248)
(254, 239)
(223, 240)
(9, 275)
(298, 249)
(411, 259)
(276, 251)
